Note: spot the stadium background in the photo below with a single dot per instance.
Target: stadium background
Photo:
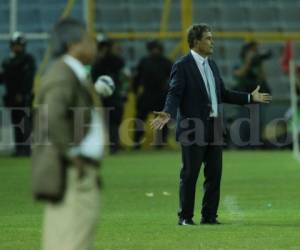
(134, 22)
(260, 193)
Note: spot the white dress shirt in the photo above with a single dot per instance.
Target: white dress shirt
(92, 145)
(209, 81)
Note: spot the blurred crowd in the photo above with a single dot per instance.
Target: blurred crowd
(147, 81)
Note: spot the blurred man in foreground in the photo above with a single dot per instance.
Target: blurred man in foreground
(68, 142)
(194, 97)
(18, 74)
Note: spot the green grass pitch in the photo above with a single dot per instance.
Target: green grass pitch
(259, 209)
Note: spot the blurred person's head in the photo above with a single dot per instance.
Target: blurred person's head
(251, 50)
(104, 45)
(70, 36)
(116, 48)
(155, 47)
(18, 43)
(250, 47)
(200, 39)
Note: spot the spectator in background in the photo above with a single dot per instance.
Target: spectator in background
(150, 87)
(248, 74)
(18, 74)
(283, 131)
(109, 62)
(289, 113)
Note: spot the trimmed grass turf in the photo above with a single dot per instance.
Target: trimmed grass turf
(260, 204)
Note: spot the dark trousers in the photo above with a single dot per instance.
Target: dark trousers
(22, 130)
(192, 158)
(113, 117)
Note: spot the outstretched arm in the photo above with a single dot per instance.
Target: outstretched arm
(235, 97)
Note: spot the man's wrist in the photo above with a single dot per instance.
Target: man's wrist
(168, 114)
(252, 98)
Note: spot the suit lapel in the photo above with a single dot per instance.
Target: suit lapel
(197, 75)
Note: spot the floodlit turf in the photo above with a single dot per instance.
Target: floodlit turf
(260, 205)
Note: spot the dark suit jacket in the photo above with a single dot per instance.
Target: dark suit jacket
(187, 98)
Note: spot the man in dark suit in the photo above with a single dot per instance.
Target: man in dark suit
(195, 93)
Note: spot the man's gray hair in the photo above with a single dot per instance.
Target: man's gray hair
(66, 32)
(195, 32)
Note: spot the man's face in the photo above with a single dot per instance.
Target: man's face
(17, 48)
(88, 49)
(156, 51)
(205, 46)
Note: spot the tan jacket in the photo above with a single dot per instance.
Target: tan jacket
(60, 122)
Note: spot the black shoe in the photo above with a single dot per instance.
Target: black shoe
(186, 222)
(209, 221)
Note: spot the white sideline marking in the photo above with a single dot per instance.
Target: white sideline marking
(234, 211)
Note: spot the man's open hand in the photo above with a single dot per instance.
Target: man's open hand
(161, 119)
(260, 97)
